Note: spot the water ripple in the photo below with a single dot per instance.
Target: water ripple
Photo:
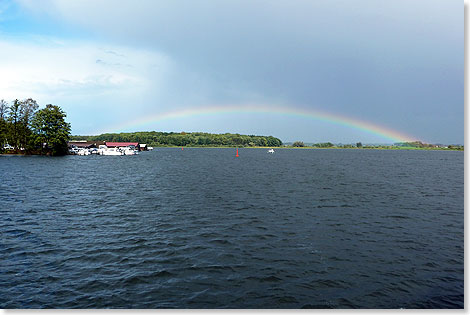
(201, 229)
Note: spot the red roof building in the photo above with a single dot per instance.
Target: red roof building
(85, 144)
(121, 144)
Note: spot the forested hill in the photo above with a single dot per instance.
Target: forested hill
(154, 138)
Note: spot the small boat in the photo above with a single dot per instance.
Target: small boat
(110, 151)
(83, 152)
(129, 151)
(271, 151)
(73, 151)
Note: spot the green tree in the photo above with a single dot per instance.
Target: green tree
(274, 142)
(323, 145)
(237, 140)
(359, 145)
(3, 123)
(13, 119)
(261, 141)
(51, 131)
(27, 108)
(298, 144)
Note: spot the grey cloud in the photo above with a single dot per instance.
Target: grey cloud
(371, 59)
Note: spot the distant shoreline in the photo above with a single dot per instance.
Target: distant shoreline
(378, 148)
(391, 148)
(206, 140)
(311, 147)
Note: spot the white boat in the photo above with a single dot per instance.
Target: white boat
(83, 152)
(104, 150)
(73, 151)
(149, 148)
(110, 151)
(271, 151)
(129, 151)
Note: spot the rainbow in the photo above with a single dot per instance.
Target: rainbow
(365, 126)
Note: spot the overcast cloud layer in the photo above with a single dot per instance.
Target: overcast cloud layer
(397, 63)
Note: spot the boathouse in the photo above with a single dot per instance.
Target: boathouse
(122, 144)
(84, 144)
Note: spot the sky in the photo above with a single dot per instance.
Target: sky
(134, 65)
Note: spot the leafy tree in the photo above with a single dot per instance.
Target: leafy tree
(51, 131)
(323, 145)
(13, 119)
(298, 144)
(359, 145)
(3, 123)
(261, 142)
(273, 142)
(27, 108)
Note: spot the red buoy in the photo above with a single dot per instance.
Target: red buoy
(237, 153)
(182, 148)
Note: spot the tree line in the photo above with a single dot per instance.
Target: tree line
(26, 129)
(154, 138)
(400, 145)
(300, 144)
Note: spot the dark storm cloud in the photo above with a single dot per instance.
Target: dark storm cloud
(397, 62)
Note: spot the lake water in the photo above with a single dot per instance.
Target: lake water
(200, 228)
